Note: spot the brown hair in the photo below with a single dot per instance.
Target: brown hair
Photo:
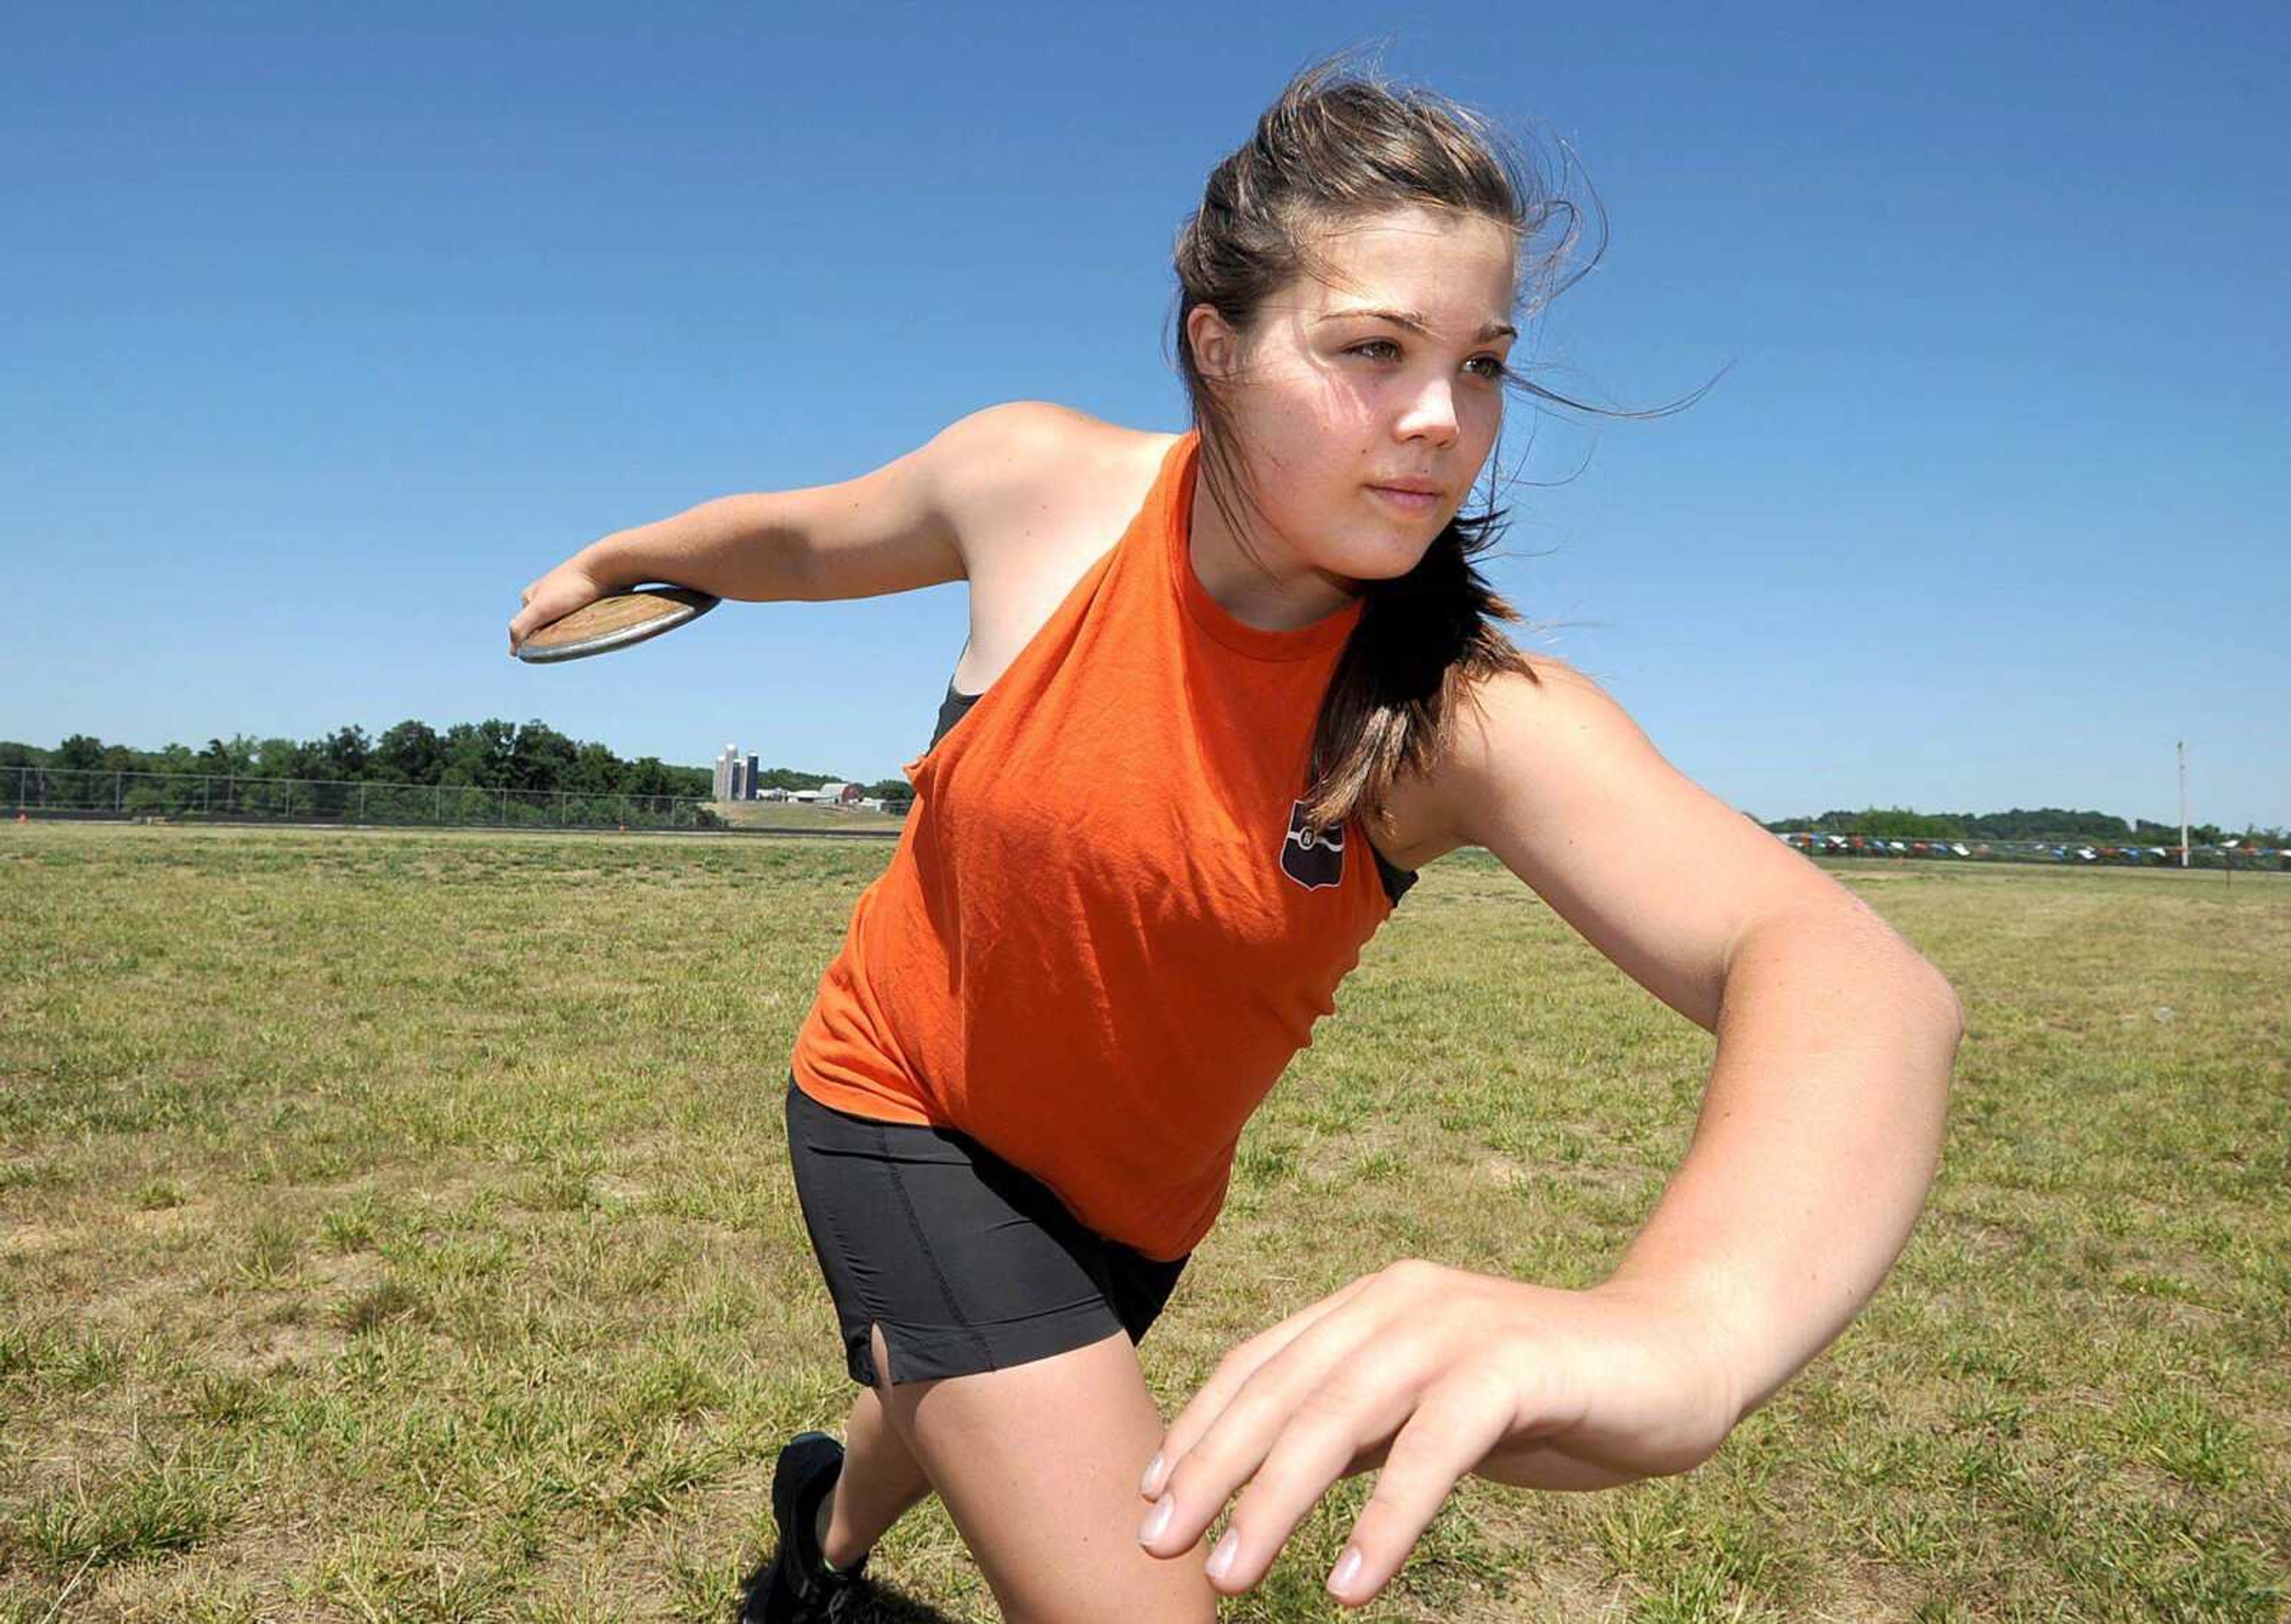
(1335, 146)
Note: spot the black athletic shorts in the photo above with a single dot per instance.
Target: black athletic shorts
(968, 1263)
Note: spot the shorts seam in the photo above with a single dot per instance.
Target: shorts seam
(864, 1354)
(922, 1245)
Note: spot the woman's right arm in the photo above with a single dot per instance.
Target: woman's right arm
(900, 527)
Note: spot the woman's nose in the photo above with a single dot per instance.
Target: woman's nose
(1431, 413)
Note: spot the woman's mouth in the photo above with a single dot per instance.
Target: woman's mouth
(1417, 503)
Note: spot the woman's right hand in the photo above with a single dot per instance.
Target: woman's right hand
(570, 586)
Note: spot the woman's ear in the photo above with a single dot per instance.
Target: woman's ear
(1216, 346)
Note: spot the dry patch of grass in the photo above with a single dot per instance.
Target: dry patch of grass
(789, 815)
(398, 1226)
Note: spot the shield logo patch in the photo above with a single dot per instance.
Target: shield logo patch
(1312, 860)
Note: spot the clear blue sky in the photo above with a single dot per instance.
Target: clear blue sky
(325, 329)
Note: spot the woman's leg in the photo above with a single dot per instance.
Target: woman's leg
(1038, 1464)
(881, 1479)
(1037, 1461)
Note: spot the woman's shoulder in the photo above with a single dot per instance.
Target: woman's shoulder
(1503, 721)
(1040, 445)
(1045, 424)
(1507, 720)
(1030, 481)
(1048, 421)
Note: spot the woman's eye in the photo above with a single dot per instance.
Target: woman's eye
(1489, 367)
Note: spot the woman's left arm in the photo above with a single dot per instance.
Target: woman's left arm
(1818, 1136)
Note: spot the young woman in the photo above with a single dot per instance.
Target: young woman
(1226, 691)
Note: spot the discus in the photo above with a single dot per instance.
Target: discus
(614, 621)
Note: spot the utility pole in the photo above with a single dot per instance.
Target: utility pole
(2183, 803)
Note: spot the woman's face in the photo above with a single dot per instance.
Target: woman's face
(1340, 404)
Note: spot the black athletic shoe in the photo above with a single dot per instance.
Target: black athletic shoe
(794, 1587)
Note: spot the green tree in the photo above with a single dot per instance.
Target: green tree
(540, 758)
(235, 759)
(411, 753)
(277, 758)
(648, 776)
(596, 770)
(1900, 824)
(81, 753)
(341, 754)
(14, 780)
(788, 778)
(479, 753)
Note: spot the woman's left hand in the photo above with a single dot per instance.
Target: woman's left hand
(1431, 1373)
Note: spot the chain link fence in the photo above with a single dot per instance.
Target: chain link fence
(193, 797)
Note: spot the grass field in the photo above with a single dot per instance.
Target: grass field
(789, 815)
(399, 1226)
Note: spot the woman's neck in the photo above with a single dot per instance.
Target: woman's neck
(1281, 594)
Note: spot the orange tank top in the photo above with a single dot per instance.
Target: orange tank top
(1103, 934)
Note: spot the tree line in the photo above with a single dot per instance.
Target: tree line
(492, 755)
(2033, 824)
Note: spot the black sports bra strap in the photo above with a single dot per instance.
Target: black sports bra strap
(949, 711)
